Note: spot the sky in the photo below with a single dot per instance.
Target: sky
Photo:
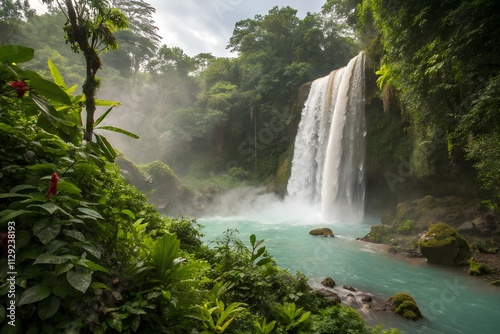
(198, 26)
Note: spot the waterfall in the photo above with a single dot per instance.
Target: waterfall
(327, 165)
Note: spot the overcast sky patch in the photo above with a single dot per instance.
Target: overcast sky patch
(198, 26)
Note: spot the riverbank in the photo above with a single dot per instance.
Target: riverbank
(402, 227)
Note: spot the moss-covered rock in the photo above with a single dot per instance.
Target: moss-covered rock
(404, 305)
(323, 232)
(442, 244)
(478, 269)
(167, 192)
(401, 304)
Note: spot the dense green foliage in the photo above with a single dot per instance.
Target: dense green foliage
(441, 60)
(92, 256)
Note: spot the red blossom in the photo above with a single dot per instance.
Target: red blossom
(20, 87)
(52, 191)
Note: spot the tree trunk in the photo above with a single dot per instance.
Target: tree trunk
(89, 89)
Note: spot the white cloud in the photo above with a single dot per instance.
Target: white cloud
(206, 26)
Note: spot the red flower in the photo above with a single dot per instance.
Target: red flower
(20, 87)
(53, 185)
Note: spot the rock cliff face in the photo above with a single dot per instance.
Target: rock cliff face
(442, 244)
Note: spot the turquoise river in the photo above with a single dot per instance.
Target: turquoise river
(450, 300)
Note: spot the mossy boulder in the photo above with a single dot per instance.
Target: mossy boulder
(323, 232)
(167, 192)
(442, 244)
(404, 305)
(478, 269)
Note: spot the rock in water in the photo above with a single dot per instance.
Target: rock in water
(328, 282)
(402, 304)
(324, 232)
(442, 244)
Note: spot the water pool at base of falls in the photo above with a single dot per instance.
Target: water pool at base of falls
(450, 300)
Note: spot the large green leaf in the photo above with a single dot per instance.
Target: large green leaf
(16, 54)
(48, 307)
(50, 90)
(48, 206)
(80, 278)
(46, 230)
(69, 188)
(74, 234)
(34, 294)
(56, 75)
(164, 253)
(90, 212)
(93, 250)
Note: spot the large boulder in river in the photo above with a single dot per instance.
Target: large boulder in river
(442, 244)
(402, 304)
(324, 232)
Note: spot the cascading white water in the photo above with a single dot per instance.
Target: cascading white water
(327, 166)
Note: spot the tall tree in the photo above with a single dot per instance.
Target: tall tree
(141, 39)
(89, 29)
(12, 12)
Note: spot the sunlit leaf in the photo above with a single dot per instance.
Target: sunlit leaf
(106, 103)
(50, 90)
(56, 75)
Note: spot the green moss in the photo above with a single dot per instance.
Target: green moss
(379, 233)
(439, 235)
(478, 269)
(400, 298)
(405, 305)
(406, 227)
(158, 170)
